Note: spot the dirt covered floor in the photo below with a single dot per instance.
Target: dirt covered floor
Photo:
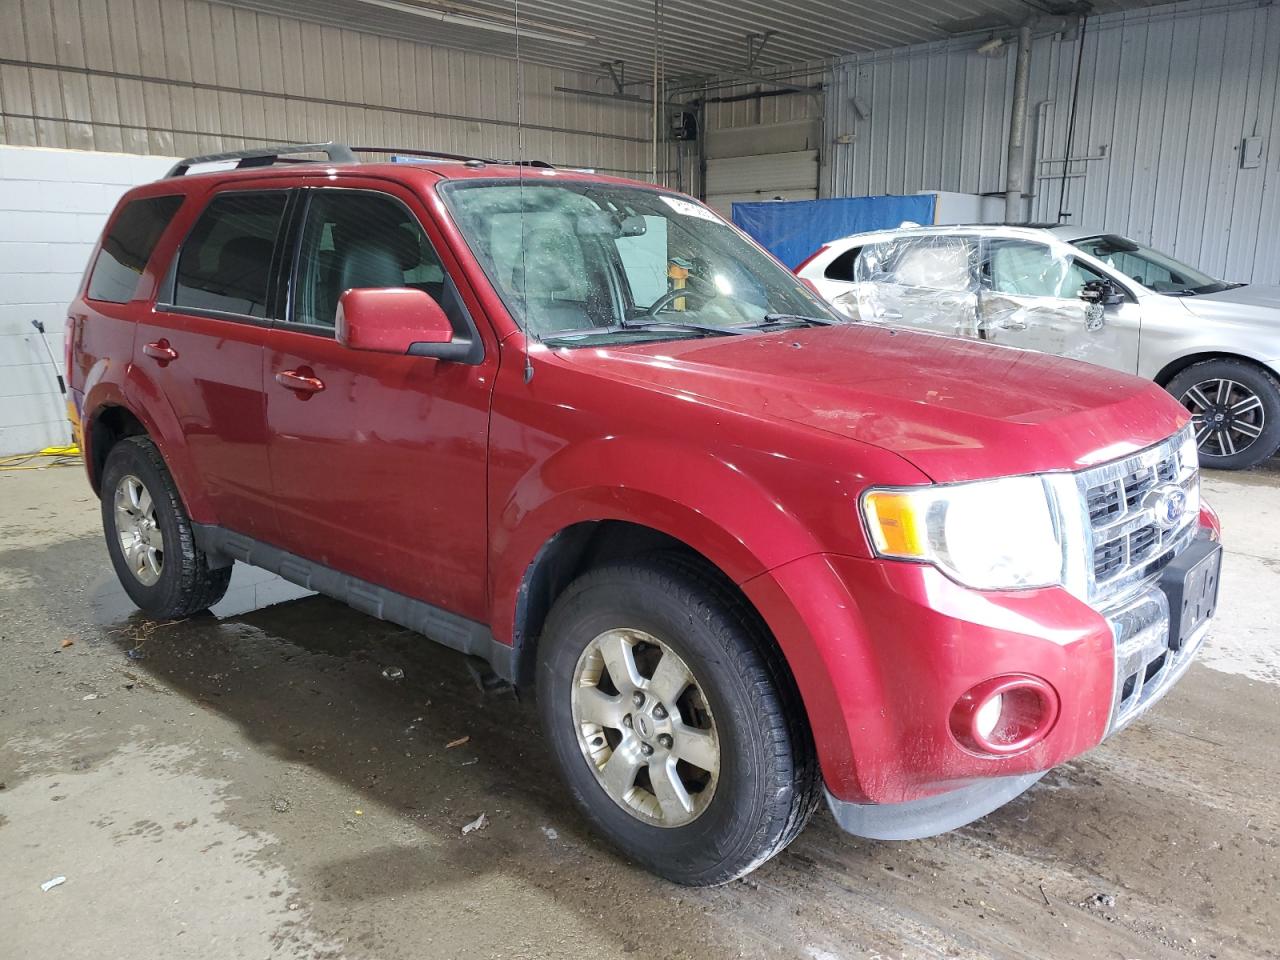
(253, 785)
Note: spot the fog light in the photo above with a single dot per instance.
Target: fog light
(988, 715)
(1004, 715)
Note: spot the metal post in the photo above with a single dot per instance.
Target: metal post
(1015, 174)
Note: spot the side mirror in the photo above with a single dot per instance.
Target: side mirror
(398, 320)
(1102, 292)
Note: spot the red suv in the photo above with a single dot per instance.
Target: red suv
(748, 553)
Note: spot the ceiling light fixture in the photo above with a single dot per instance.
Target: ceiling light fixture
(552, 34)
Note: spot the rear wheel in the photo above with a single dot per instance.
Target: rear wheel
(1235, 411)
(149, 535)
(673, 720)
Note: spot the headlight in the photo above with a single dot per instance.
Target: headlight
(1189, 451)
(991, 534)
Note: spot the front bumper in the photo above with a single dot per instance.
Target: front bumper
(882, 651)
(1151, 652)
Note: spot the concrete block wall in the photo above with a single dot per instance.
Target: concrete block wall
(53, 204)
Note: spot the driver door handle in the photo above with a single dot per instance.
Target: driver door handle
(299, 382)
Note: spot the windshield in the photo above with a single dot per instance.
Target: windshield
(1151, 268)
(580, 262)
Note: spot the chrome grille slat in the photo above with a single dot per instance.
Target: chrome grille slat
(1128, 545)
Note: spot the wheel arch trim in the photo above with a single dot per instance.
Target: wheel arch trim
(1203, 355)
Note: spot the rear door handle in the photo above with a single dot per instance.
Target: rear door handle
(299, 382)
(160, 350)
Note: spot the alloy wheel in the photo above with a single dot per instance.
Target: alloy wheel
(645, 728)
(139, 534)
(1226, 415)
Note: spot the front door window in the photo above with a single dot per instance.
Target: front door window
(356, 240)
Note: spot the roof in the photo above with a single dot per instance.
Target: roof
(1031, 231)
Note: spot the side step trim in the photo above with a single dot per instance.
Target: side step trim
(444, 627)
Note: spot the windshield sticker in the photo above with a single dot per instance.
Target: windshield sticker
(685, 208)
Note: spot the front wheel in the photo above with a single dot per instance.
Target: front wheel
(673, 720)
(1235, 411)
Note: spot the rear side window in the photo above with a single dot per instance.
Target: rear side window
(127, 247)
(928, 263)
(225, 264)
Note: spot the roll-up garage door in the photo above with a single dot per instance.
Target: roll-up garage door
(770, 176)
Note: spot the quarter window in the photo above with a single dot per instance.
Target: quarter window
(354, 240)
(841, 268)
(127, 247)
(225, 265)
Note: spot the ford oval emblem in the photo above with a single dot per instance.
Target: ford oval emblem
(1167, 504)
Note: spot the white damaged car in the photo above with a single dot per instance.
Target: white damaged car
(1080, 293)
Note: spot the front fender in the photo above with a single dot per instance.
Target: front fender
(708, 503)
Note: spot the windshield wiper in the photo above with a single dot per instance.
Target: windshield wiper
(772, 319)
(703, 328)
(647, 326)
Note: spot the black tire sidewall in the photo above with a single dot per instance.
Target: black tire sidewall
(1256, 379)
(731, 826)
(128, 458)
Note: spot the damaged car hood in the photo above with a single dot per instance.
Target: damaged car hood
(1258, 300)
(941, 403)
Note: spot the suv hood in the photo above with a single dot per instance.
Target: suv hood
(956, 409)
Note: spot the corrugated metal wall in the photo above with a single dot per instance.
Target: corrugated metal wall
(1166, 97)
(784, 108)
(182, 77)
(738, 123)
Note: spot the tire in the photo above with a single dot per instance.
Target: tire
(739, 694)
(1235, 406)
(158, 563)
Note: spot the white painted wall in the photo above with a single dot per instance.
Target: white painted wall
(53, 204)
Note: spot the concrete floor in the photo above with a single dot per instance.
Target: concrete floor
(250, 785)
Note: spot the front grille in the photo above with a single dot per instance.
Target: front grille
(1129, 542)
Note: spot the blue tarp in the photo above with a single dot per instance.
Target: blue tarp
(793, 229)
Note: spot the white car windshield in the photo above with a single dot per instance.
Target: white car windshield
(1151, 268)
(582, 261)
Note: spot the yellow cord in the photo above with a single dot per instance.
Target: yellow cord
(64, 456)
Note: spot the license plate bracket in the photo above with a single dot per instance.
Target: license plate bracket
(1190, 582)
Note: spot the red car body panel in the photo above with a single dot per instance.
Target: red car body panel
(880, 708)
(444, 481)
(958, 410)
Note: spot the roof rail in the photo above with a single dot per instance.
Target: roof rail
(439, 155)
(266, 156)
(424, 154)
